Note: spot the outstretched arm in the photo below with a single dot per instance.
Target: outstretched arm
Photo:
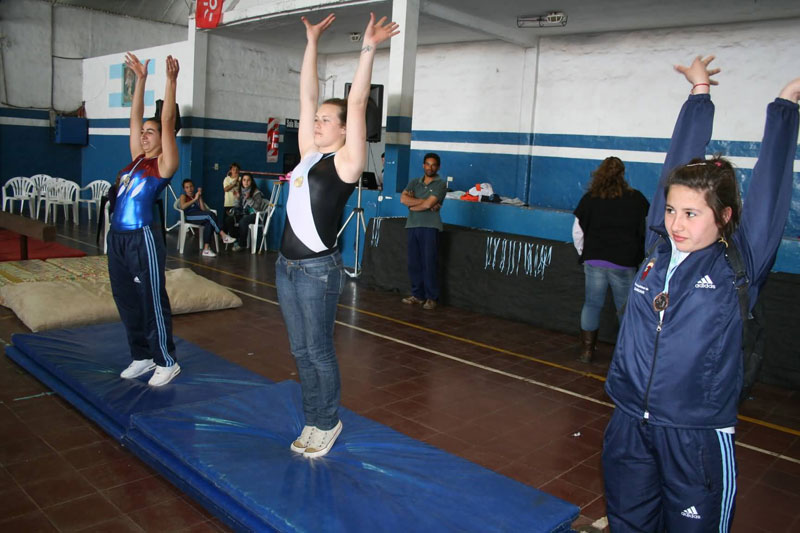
(168, 160)
(692, 131)
(770, 191)
(137, 105)
(350, 159)
(309, 84)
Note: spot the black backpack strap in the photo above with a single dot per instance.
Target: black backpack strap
(740, 280)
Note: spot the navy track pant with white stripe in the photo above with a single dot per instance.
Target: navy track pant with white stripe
(136, 262)
(667, 479)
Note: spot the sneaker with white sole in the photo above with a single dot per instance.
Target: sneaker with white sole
(227, 239)
(137, 368)
(164, 374)
(301, 443)
(208, 252)
(321, 441)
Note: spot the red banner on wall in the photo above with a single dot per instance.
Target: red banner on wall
(209, 13)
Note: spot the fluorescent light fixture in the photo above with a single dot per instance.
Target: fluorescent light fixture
(554, 19)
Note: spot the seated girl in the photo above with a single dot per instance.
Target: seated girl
(195, 211)
(249, 201)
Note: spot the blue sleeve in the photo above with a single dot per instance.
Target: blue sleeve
(689, 140)
(769, 195)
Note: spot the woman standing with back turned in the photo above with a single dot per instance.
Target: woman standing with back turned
(609, 235)
(309, 273)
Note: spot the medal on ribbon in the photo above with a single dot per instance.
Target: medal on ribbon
(298, 181)
(661, 301)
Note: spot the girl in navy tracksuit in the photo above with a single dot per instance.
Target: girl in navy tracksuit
(668, 456)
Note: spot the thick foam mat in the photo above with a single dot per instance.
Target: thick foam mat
(222, 434)
(83, 366)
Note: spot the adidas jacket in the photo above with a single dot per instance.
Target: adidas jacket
(686, 371)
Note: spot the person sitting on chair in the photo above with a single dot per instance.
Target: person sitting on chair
(194, 209)
(249, 201)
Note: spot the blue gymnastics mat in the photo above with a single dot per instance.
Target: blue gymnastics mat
(222, 434)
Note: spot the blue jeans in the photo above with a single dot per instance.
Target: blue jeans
(208, 221)
(423, 262)
(308, 292)
(597, 281)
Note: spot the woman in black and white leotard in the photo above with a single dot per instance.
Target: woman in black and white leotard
(309, 273)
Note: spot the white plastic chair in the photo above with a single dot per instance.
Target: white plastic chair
(106, 227)
(19, 189)
(273, 201)
(261, 221)
(98, 188)
(39, 184)
(62, 192)
(185, 227)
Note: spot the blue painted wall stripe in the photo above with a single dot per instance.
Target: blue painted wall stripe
(603, 142)
(109, 123)
(24, 113)
(479, 137)
(225, 125)
(398, 124)
(115, 72)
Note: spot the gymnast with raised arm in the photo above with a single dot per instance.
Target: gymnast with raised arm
(136, 253)
(668, 450)
(309, 273)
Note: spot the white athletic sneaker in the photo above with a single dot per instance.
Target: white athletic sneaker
(137, 368)
(301, 443)
(164, 375)
(227, 239)
(321, 441)
(208, 252)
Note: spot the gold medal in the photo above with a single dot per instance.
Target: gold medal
(661, 301)
(298, 181)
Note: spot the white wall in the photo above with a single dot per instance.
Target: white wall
(98, 84)
(251, 83)
(76, 33)
(623, 83)
(458, 87)
(606, 84)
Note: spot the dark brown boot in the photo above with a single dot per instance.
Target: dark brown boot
(588, 341)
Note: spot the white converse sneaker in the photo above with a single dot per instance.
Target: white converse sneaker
(208, 252)
(227, 239)
(164, 375)
(321, 441)
(137, 368)
(301, 443)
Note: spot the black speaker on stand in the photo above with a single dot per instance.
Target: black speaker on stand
(374, 116)
(159, 105)
(374, 111)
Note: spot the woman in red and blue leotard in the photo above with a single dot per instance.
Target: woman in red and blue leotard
(136, 253)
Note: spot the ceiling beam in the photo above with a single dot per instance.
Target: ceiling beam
(508, 33)
(251, 11)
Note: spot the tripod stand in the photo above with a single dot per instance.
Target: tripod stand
(358, 213)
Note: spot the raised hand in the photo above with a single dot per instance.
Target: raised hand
(380, 31)
(136, 66)
(313, 31)
(792, 90)
(172, 68)
(699, 73)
